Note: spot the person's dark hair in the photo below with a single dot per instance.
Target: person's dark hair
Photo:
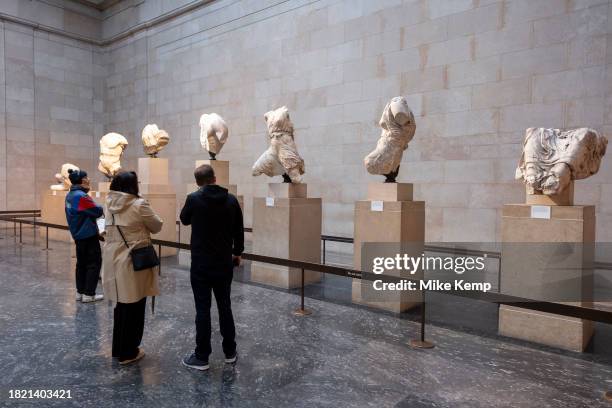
(76, 176)
(125, 182)
(204, 175)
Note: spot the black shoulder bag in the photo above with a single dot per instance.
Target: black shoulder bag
(142, 258)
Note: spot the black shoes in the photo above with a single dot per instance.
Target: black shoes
(194, 362)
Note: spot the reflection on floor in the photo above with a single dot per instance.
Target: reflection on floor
(340, 356)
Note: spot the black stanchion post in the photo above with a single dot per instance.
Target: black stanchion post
(324, 251)
(14, 228)
(47, 239)
(160, 257)
(302, 311)
(20, 234)
(422, 343)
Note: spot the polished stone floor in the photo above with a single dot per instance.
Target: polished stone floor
(339, 356)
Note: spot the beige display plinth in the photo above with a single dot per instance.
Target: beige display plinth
(286, 224)
(221, 169)
(567, 224)
(53, 211)
(155, 187)
(389, 216)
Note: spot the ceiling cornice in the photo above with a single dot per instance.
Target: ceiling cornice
(102, 6)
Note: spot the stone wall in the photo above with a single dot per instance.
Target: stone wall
(475, 72)
(51, 97)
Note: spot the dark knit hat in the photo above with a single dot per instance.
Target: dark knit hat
(76, 176)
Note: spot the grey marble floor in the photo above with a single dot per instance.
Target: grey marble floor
(340, 356)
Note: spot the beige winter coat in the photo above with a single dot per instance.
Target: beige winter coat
(137, 221)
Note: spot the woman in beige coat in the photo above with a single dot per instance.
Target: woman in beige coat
(125, 212)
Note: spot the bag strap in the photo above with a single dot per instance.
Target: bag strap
(120, 233)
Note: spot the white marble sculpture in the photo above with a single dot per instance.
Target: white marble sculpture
(398, 127)
(552, 158)
(154, 139)
(112, 146)
(213, 133)
(62, 177)
(282, 157)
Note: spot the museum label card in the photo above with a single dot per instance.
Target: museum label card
(97, 194)
(269, 201)
(54, 192)
(540, 211)
(376, 206)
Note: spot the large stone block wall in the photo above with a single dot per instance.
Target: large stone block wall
(51, 97)
(475, 72)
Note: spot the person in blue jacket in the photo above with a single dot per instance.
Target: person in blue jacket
(81, 214)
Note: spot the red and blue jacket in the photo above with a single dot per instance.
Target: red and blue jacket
(81, 213)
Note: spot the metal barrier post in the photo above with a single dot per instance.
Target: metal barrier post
(160, 257)
(422, 343)
(14, 228)
(324, 240)
(46, 239)
(20, 234)
(302, 311)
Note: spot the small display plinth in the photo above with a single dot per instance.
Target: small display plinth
(287, 228)
(153, 170)
(287, 190)
(155, 187)
(566, 197)
(220, 167)
(390, 191)
(547, 258)
(400, 222)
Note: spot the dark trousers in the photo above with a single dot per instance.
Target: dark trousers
(128, 326)
(88, 264)
(203, 283)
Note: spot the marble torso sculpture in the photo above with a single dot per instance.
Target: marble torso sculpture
(62, 177)
(154, 139)
(552, 158)
(112, 146)
(213, 133)
(398, 127)
(282, 157)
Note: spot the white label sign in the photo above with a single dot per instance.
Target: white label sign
(101, 225)
(540, 211)
(376, 206)
(97, 194)
(54, 192)
(269, 201)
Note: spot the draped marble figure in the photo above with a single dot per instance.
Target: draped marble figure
(282, 157)
(398, 127)
(154, 139)
(552, 158)
(112, 146)
(62, 177)
(213, 133)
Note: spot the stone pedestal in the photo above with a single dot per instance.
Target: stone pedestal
(389, 216)
(153, 176)
(565, 198)
(221, 169)
(53, 211)
(543, 259)
(286, 224)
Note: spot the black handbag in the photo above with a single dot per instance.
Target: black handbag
(142, 258)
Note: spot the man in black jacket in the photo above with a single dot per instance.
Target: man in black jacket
(217, 242)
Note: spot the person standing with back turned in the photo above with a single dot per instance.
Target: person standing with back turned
(81, 215)
(217, 242)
